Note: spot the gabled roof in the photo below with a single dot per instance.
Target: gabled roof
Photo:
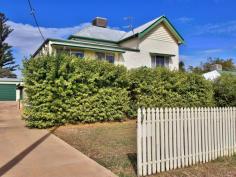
(95, 32)
(112, 35)
(141, 31)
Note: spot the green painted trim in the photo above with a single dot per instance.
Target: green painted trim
(83, 43)
(163, 54)
(92, 48)
(169, 25)
(91, 39)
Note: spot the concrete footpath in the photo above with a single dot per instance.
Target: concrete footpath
(38, 153)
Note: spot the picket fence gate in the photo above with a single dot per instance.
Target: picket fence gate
(173, 138)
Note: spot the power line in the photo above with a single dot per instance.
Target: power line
(32, 12)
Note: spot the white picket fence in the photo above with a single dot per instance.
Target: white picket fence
(173, 138)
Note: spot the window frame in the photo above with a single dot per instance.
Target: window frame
(105, 56)
(74, 53)
(164, 63)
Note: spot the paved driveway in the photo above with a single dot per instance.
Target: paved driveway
(37, 153)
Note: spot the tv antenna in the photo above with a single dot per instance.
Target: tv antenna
(130, 20)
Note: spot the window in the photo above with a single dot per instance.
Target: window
(79, 54)
(110, 57)
(100, 55)
(162, 61)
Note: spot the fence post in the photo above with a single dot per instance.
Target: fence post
(139, 146)
(144, 142)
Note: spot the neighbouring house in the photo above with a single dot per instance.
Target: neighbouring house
(11, 89)
(216, 71)
(153, 44)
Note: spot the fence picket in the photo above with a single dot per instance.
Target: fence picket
(170, 138)
(153, 136)
(177, 137)
(158, 140)
(196, 135)
(192, 118)
(200, 135)
(167, 158)
(175, 119)
(144, 143)
(139, 146)
(162, 141)
(149, 145)
(182, 136)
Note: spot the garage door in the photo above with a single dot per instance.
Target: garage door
(7, 92)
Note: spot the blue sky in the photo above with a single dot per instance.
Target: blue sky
(208, 26)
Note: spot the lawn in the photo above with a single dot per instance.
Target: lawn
(113, 145)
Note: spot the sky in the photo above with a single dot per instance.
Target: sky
(208, 26)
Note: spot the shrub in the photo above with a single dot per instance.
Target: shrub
(66, 89)
(164, 88)
(63, 89)
(225, 90)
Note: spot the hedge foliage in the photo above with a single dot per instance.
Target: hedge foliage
(225, 90)
(64, 89)
(161, 87)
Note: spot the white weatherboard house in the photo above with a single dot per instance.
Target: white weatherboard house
(153, 44)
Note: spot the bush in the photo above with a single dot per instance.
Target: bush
(63, 89)
(164, 88)
(225, 90)
(66, 89)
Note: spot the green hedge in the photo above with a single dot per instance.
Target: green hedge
(66, 89)
(63, 89)
(161, 87)
(225, 90)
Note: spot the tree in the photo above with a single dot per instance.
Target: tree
(227, 64)
(7, 62)
(6, 73)
(182, 66)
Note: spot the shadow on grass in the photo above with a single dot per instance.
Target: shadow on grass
(133, 160)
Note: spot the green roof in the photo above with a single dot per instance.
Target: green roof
(92, 45)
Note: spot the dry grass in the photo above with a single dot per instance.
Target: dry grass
(113, 145)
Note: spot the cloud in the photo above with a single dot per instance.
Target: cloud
(184, 19)
(211, 51)
(226, 28)
(26, 38)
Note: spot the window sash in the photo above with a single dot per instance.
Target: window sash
(79, 54)
(158, 60)
(110, 57)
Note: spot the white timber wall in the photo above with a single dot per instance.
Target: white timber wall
(160, 41)
(173, 138)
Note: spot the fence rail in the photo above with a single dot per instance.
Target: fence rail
(172, 138)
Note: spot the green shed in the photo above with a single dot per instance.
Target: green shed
(9, 89)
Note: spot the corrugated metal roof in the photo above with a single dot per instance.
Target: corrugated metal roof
(111, 34)
(10, 80)
(101, 33)
(139, 29)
